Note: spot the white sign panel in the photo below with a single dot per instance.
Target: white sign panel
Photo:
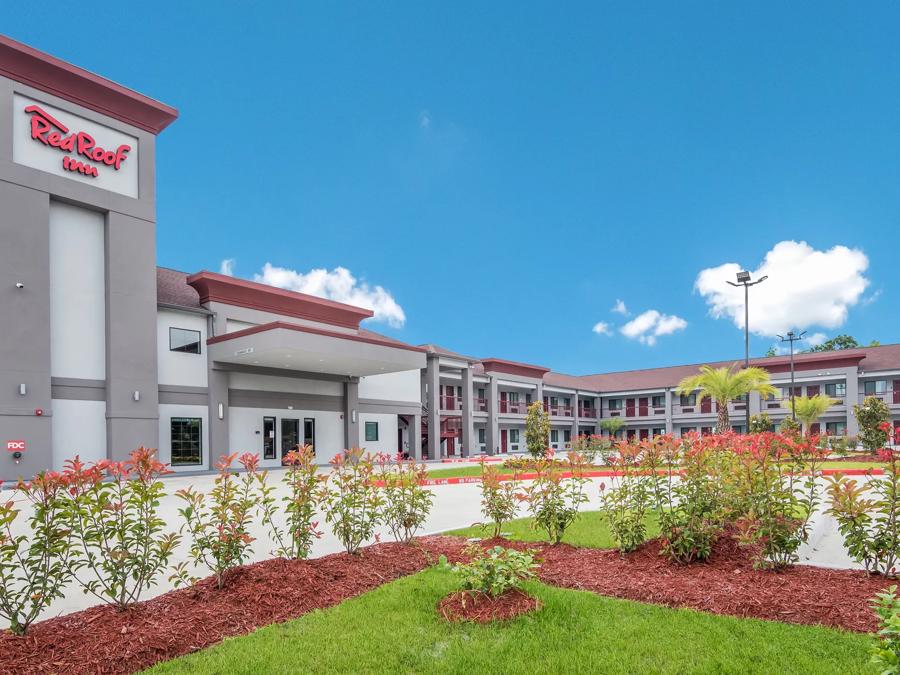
(65, 144)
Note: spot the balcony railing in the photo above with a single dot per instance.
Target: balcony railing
(479, 404)
(636, 410)
(558, 410)
(589, 413)
(513, 407)
(889, 396)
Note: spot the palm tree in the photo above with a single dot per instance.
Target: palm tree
(808, 409)
(724, 385)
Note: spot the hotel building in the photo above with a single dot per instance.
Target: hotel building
(103, 350)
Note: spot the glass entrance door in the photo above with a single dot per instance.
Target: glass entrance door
(290, 435)
(309, 432)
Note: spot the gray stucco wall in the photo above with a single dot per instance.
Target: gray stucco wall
(130, 235)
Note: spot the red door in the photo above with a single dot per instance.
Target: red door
(706, 405)
(642, 406)
(503, 436)
(645, 434)
(629, 407)
(451, 447)
(503, 405)
(812, 390)
(895, 385)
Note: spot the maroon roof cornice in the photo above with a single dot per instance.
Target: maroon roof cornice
(356, 337)
(39, 70)
(513, 368)
(253, 295)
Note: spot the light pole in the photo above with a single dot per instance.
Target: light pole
(743, 279)
(792, 338)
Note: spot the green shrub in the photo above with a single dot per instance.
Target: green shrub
(406, 502)
(553, 499)
(33, 570)
(537, 429)
(493, 571)
(886, 651)
(351, 500)
(872, 415)
(295, 540)
(219, 524)
(624, 506)
(499, 500)
(118, 533)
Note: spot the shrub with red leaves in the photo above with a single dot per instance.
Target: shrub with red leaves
(219, 524)
(351, 500)
(33, 570)
(119, 547)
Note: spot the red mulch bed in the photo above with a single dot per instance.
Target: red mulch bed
(482, 608)
(104, 640)
(855, 458)
(726, 584)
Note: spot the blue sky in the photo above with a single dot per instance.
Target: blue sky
(506, 172)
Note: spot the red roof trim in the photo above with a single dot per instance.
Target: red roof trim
(314, 331)
(513, 368)
(39, 70)
(242, 293)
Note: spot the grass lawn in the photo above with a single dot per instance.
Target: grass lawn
(588, 530)
(395, 629)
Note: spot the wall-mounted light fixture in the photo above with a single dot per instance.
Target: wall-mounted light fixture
(136, 395)
(222, 411)
(23, 389)
(353, 416)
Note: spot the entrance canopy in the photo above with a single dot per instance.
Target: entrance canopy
(307, 349)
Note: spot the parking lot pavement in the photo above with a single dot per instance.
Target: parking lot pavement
(455, 506)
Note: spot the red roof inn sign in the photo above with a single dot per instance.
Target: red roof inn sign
(69, 145)
(50, 131)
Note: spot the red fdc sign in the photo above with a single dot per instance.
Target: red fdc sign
(50, 131)
(15, 446)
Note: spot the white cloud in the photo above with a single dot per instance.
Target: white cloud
(815, 339)
(602, 328)
(805, 288)
(340, 285)
(648, 326)
(227, 267)
(620, 308)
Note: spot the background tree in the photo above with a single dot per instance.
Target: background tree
(810, 408)
(612, 425)
(537, 429)
(839, 342)
(724, 385)
(871, 415)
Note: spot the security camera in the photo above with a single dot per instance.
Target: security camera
(19, 284)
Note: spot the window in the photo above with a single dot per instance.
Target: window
(836, 428)
(737, 428)
(836, 390)
(567, 436)
(659, 431)
(705, 431)
(371, 431)
(268, 438)
(481, 393)
(186, 434)
(513, 435)
(875, 387)
(615, 404)
(687, 430)
(689, 399)
(554, 436)
(183, 340)
(658, 401)
(481, 435)
(513, 397)
(567, 402)
(554, 401)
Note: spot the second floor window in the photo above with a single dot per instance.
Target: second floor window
(658, 401)
(875, 387)
(615, 404)
(689, 399)
(836, 390)
(184, 340)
